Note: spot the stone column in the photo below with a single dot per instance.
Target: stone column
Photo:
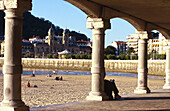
(12, 68)
(98, 26)
(167, 80)
(142, 63)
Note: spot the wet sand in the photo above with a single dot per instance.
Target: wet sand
(73, 88)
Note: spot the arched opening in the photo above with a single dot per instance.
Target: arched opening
(98, 70)
(157, 46)
(68, 90)
(118, 35)
(64, 15)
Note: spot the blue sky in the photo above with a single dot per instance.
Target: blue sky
(65, 15)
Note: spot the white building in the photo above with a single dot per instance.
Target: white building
(132, 41)
(36, 39)
(157, 43)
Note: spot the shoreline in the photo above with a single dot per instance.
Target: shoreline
(108, 71)
(73, 88)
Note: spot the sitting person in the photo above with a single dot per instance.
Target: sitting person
(32, 75)
(28, 85)
(49, 75)
(59, 78)
(110, 86)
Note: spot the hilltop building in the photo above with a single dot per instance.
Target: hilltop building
(52, 44)
(35, 39)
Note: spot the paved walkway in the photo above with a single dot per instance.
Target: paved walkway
(158, 100)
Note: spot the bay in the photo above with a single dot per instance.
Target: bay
(87, 73)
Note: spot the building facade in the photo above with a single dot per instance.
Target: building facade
(120, 47)
(132, 42)
(52, 44)
(157, 43)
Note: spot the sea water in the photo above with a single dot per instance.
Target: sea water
(86, 73)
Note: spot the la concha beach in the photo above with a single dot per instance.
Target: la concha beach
(72, 88)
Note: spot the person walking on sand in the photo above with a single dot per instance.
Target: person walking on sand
(110, 86)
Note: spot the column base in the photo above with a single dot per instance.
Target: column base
(10, 108)
(93, 97)
(142, 90)
(166, 86)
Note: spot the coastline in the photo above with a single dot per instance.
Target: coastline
(73, 88)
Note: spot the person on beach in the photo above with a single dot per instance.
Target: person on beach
(54, 72)
(59, 78)
(32, 75)
(110, 86)
(28, 84)
(49, 75)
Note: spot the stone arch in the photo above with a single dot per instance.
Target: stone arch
(128, 22)
(139, 25)
(94, 10)
(87, 7)
(164, 32)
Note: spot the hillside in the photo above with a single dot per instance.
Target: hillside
(34, 26)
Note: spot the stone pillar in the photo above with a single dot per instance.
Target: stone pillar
(167, 80)
(12, 68)
(142, 63)
(98, 26)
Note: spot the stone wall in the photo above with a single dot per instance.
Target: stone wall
(155, 67)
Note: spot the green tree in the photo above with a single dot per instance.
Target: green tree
(122, 56)
(32, 56)
(89, 56)
(38, 56)
(130, 50)
(83, 56)
(49, 55)
(27, 55)
(127, 57)
(73, 56)
(68, 56)
(77, 56)
(135, 57)
(153, 55)
(162, 56)
(111, 56)
(110, 50)
(55, 56)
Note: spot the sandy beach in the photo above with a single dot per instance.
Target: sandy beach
(73, 88)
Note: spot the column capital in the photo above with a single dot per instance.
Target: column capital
(167, 43)
(98, 23)
(2, 6)
(22, 5)
(142, 34)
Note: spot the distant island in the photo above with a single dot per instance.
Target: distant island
(34, 26)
